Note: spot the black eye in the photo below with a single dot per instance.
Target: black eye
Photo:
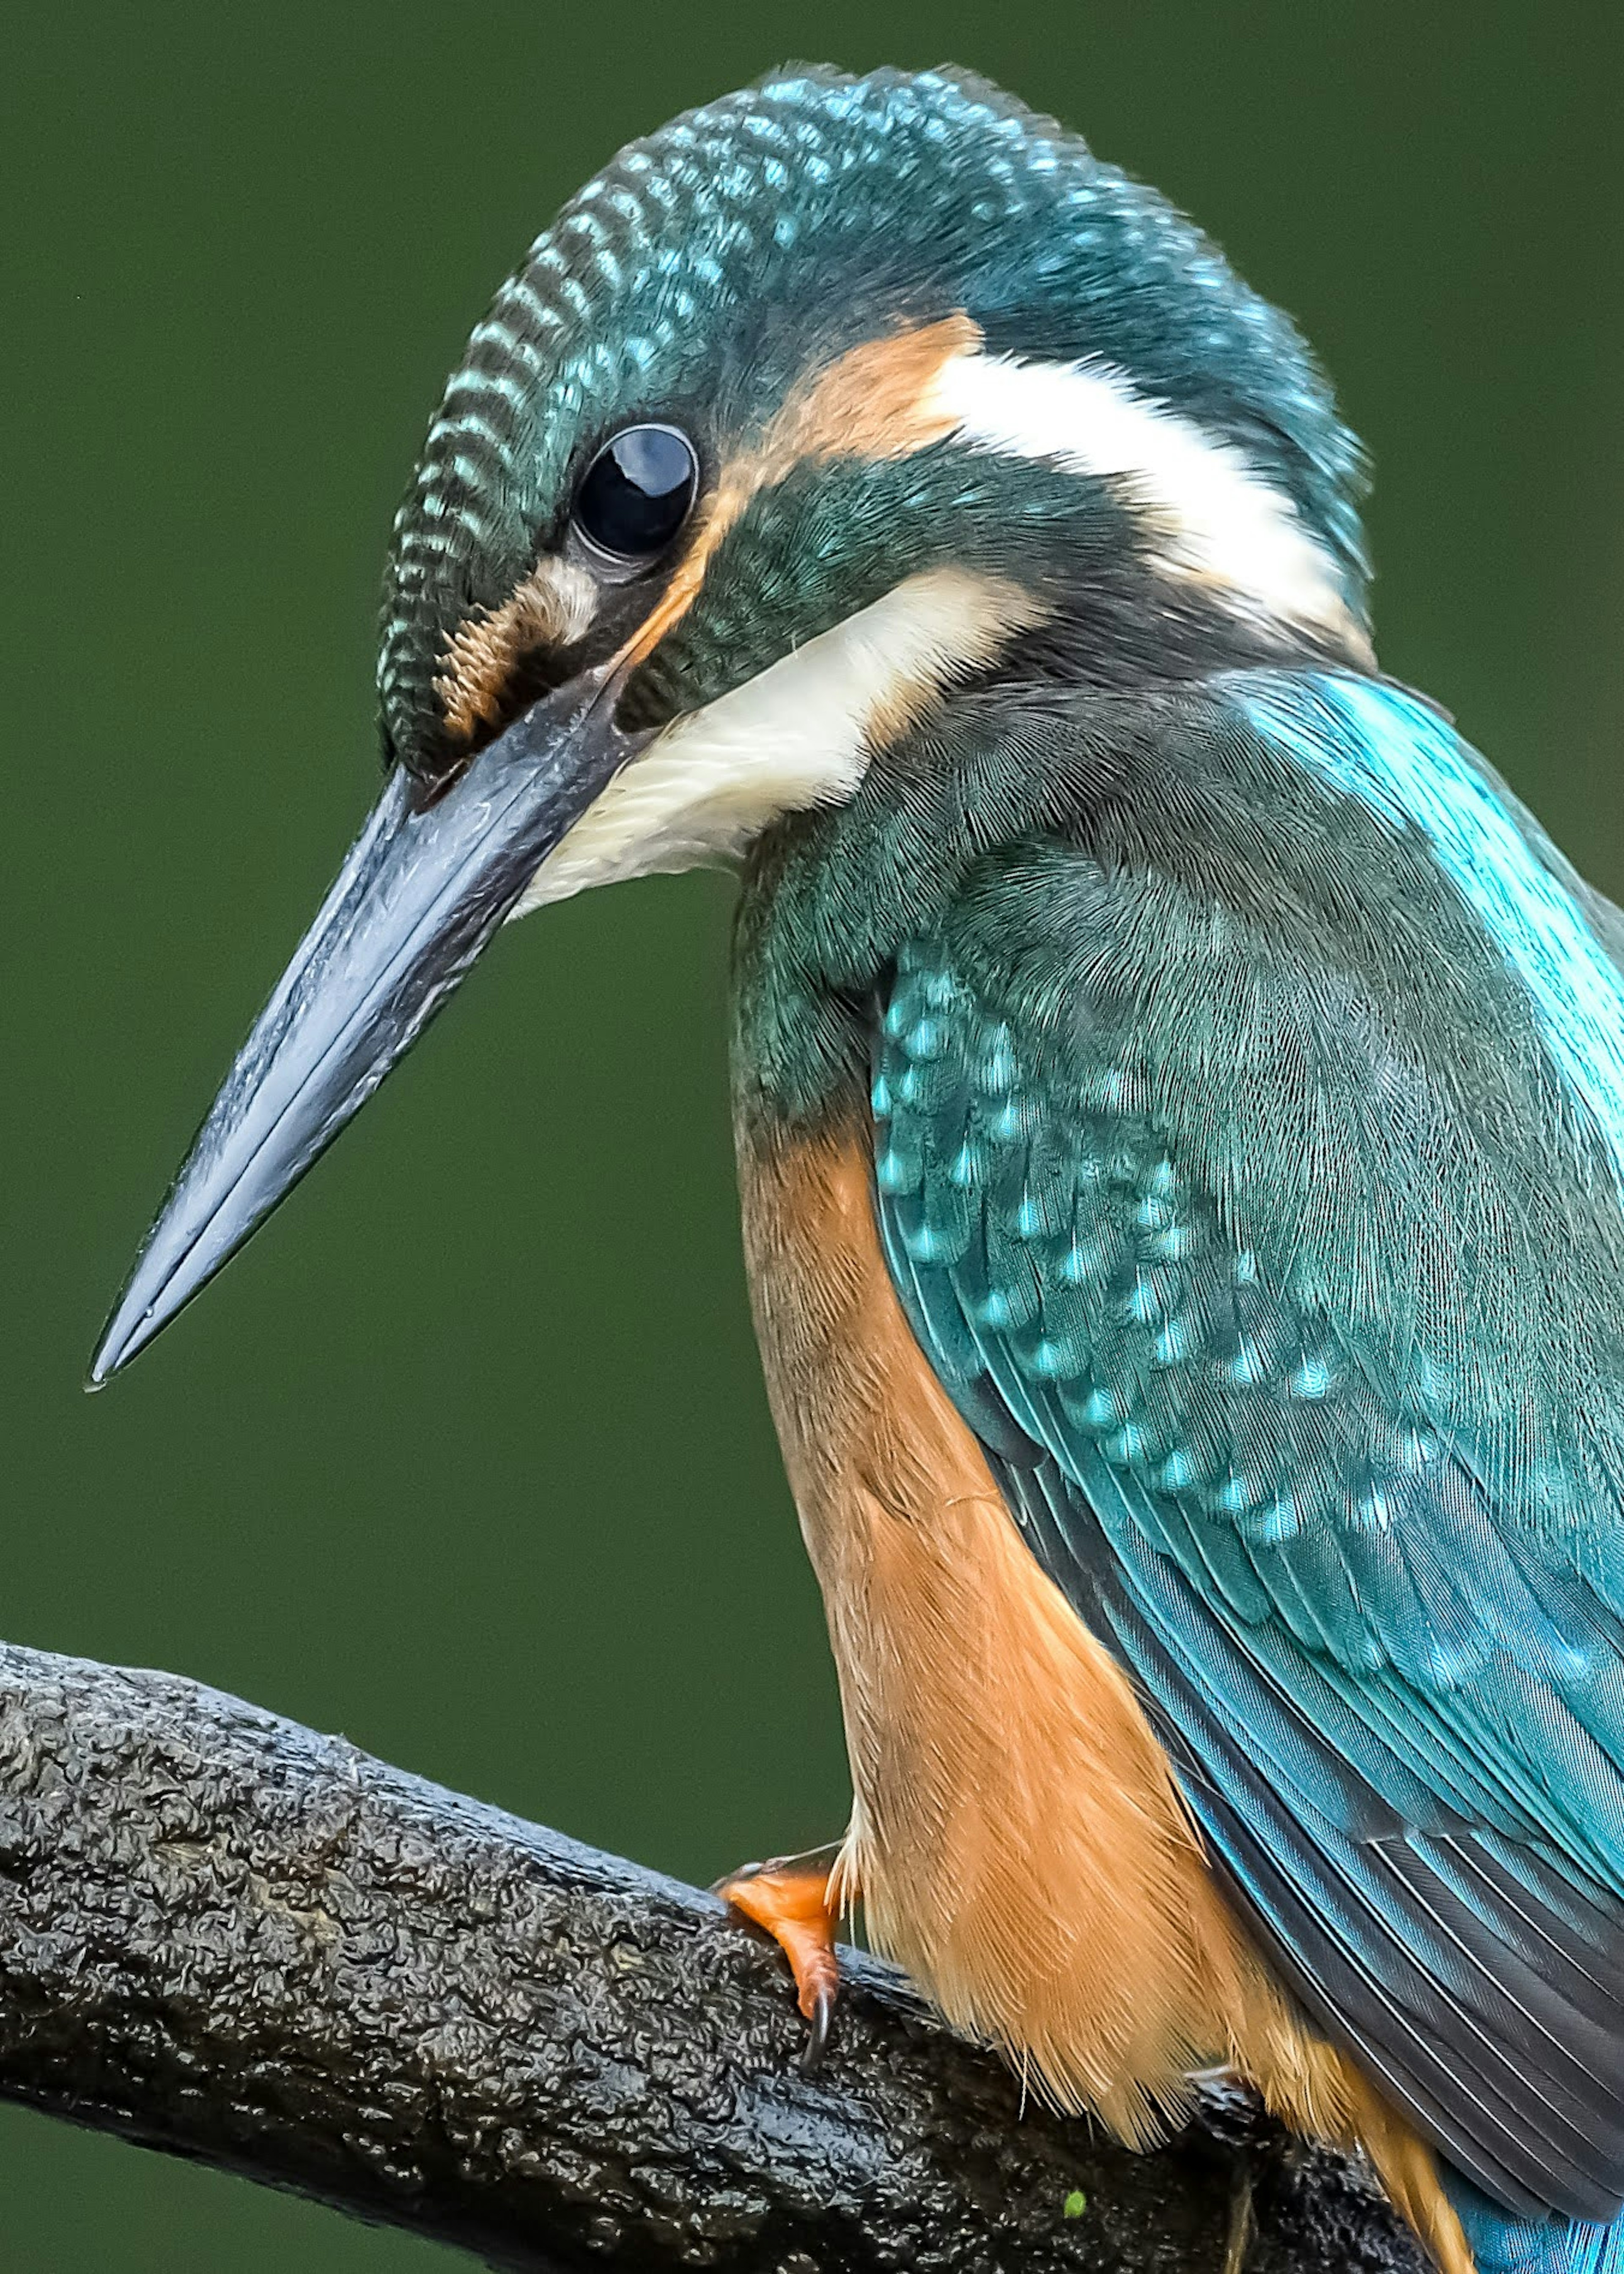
(636, 495)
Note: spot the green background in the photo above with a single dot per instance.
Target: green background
(469, 1458)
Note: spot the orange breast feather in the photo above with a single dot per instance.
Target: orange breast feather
(1018, 1837)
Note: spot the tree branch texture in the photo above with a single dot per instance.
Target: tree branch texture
(235, 1939)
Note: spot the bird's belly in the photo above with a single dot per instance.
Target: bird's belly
(1017, 1836)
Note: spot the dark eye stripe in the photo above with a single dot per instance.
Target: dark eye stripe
(637, 491)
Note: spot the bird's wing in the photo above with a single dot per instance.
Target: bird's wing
(1385, 1654)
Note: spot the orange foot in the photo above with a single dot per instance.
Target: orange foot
(789, 1898)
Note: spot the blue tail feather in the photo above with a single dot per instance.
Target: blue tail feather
(1510, 2245)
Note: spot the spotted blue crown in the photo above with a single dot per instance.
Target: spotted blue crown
(707, 265)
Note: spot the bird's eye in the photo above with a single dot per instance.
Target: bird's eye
(636, 493)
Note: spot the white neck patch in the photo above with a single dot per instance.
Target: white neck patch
(798, 734)
(1216, 521)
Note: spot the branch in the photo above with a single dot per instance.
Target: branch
(227, 1936)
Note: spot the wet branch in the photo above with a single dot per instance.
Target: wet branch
(232, 1938)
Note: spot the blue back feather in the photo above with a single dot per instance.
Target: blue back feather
(1259, 1204)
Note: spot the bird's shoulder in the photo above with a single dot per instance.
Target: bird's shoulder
(1372, 1024)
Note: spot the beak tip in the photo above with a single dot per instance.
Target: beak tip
(112, 1353)
(132, 1325)
(418, 899)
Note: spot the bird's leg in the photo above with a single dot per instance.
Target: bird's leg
(1242, 2226)
(792, 1898)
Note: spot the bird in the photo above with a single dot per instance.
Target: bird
(1180, 1107)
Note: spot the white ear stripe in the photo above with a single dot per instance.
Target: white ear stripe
(1216, 520)
(796, 735)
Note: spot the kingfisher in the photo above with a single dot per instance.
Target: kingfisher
(1179, 1106)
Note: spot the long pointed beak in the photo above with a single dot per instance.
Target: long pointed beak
(418, 899)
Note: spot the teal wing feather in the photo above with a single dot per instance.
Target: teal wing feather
(1293, 1338)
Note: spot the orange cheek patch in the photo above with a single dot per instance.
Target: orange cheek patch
(554, 605)
(871, 402)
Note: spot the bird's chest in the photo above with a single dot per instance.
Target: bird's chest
(1017, 1837)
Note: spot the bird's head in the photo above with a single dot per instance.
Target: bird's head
(828, 399)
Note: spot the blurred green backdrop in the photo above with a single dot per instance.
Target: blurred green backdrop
(470, 1458)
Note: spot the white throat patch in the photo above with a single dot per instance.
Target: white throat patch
(1216, 520)
(798, 734)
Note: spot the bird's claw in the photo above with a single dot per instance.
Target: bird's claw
(820, 2022)
(788, 1899)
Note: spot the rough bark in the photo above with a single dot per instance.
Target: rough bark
(230, 1938)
